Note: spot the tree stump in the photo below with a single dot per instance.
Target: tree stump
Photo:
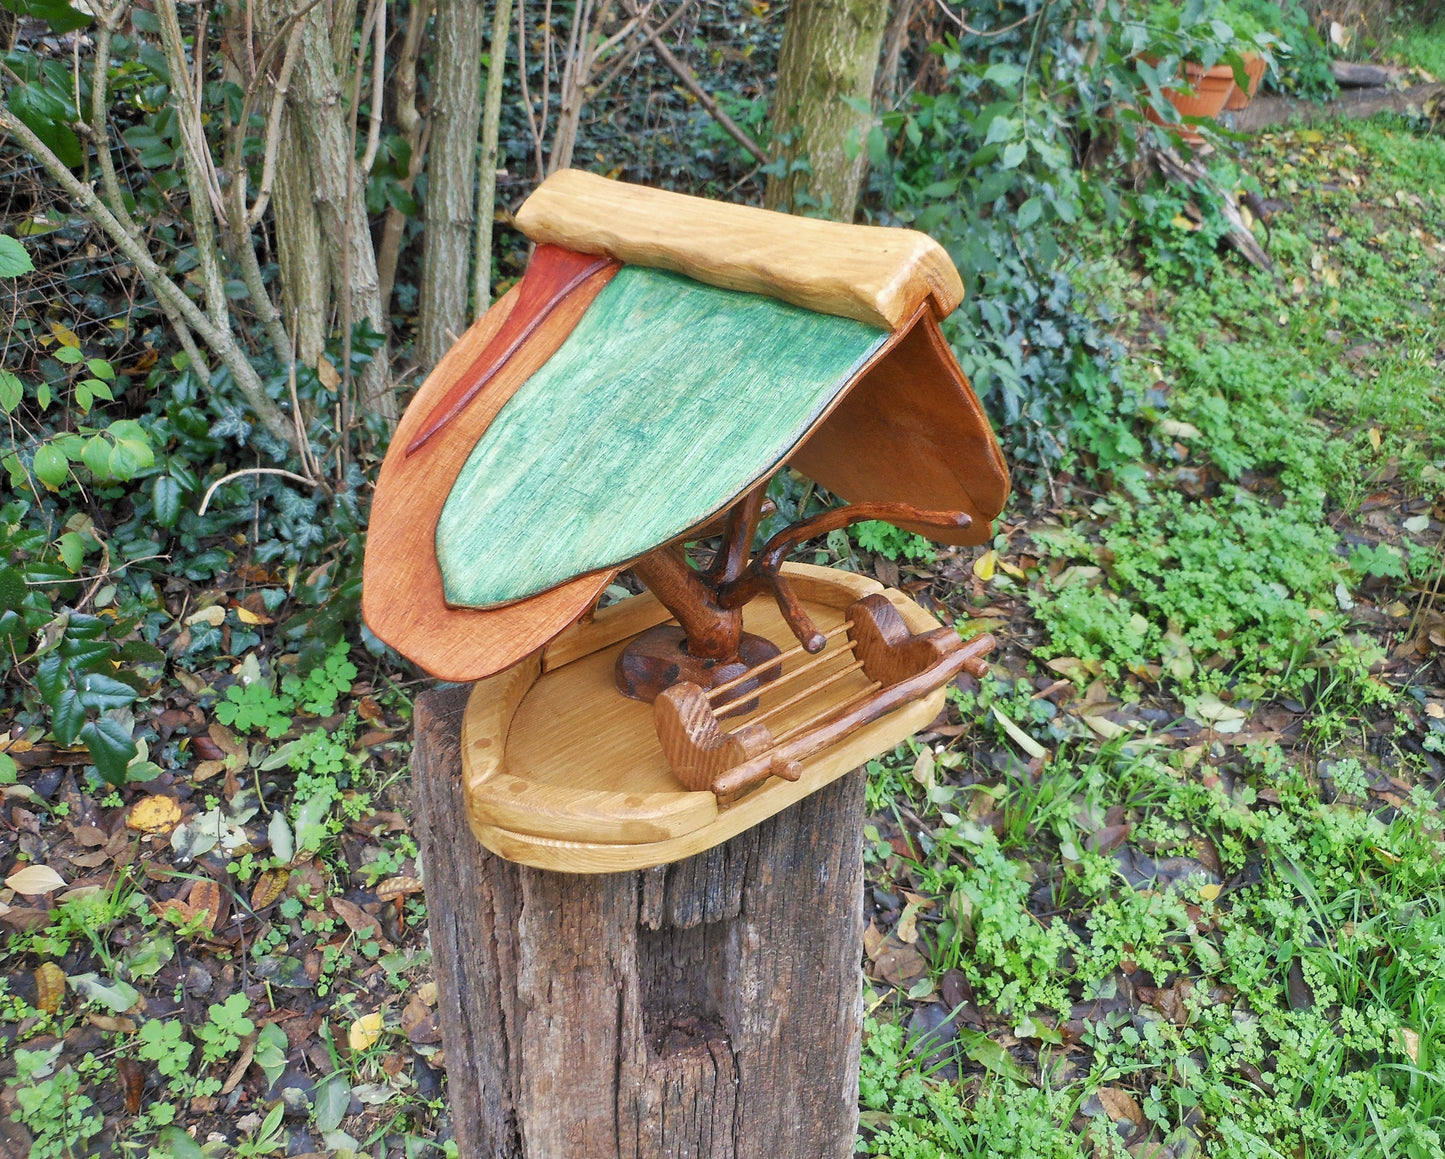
(709, 1008)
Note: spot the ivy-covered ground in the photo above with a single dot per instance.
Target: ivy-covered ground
(1167, 882)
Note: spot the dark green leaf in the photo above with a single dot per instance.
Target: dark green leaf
(57, 13)
(12, 587)
(152, 151)
(69, 717)
(85, 627)
(166, 498)
(400, 200)
(155, 60)
(27, 102)
(86, 655)
(111, 748)
(100, 691)
(50, 676)
(139, 652)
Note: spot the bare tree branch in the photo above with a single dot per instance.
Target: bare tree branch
(526, 95)
(218, 337)
(690, 82)
(203, 213)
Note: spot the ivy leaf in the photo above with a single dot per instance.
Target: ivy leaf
(176, 1144)
(51, 467)
(14, 260)
(111, 748)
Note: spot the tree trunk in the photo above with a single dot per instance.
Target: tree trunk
(306, 276)
(707, 1008)
(416, 133)
(487, 179)
(451, 178)
(336, 190)
(829, 55)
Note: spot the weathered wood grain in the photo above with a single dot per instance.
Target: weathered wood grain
(668, 400)
(872, 274)
(711, 1008)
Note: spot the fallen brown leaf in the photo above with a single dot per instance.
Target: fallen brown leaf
(49, 986)
(132, 1082)
(1120, 1105)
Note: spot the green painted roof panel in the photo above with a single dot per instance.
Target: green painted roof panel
(669, 399)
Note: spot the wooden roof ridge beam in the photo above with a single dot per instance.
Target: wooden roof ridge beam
(872, 274)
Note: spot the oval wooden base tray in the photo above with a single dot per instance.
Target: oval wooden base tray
(563, 772)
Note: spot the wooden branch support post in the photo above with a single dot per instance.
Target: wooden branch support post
(707, 1008)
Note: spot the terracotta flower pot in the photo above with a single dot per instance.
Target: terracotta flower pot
(1254, 67)
(1205, 99)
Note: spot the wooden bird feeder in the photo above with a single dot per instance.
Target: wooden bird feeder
(661, 359)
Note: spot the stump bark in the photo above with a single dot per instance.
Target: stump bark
(709, 1008)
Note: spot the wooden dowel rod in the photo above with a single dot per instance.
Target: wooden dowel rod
(819, 736)
(834, 711)
(734, 709)
(718, 689)
(832, 678)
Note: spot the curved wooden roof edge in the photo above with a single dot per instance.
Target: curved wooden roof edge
(870, 273)
(402, 598)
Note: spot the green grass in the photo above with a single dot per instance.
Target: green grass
(1268, 404)
(1303, 1006)
(1277, 986)
(1422, 48)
